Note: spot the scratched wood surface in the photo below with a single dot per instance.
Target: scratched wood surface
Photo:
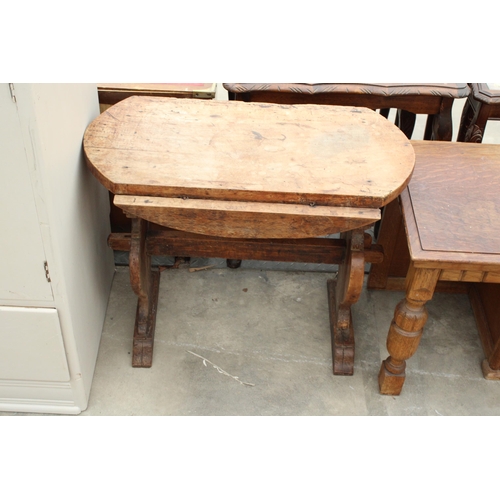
(231, 219)
(454, 195)
(233, 151)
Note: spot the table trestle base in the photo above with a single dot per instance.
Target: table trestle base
(343, 292)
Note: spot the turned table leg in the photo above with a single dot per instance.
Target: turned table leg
(343, 292)
(406, 328)
(145, 283)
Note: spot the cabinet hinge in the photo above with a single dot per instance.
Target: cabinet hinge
(46, 268)
(12, 92)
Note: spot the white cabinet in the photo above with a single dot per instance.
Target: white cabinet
(55, 266)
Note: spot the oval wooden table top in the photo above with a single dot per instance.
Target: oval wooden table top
(236, 151)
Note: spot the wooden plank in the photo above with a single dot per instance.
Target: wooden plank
(311, 250)
(473, 276)
(111, 93)
(399, 283)
(492, 277)
(246, 219)
(234, 151)
(451, 275)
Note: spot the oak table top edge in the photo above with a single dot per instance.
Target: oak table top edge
(214, 161)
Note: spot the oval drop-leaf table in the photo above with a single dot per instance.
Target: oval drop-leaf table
(237, 173)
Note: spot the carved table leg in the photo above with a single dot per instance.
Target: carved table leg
(405, 120)
(442, 126)
(475, 130)
(342, 294)
(466, 120)
(145, 283)
(406, 328)
(473, 122)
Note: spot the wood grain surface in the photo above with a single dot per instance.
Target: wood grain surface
(455, 199)
(236, 219)
(233, 151)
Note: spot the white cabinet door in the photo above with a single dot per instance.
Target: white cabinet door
(31, 345)
(22, 257)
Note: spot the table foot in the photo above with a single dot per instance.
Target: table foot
(488, 372)
(406, 328)
(342, 338)
(145, 322)
(391, 382)
(404, 336)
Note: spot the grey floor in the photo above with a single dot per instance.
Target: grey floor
(271, 329)
(256, 341)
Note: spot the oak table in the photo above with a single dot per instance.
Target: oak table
(432, 99)
(483, 104)
(451, 214)
(231, 178)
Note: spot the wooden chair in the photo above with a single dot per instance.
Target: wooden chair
(483, 104)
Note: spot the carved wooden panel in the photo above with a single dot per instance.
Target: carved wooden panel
(453, 90)
(470, 276)
(489, 93)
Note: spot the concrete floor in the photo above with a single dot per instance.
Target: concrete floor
(256, 341)
(271, 329)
